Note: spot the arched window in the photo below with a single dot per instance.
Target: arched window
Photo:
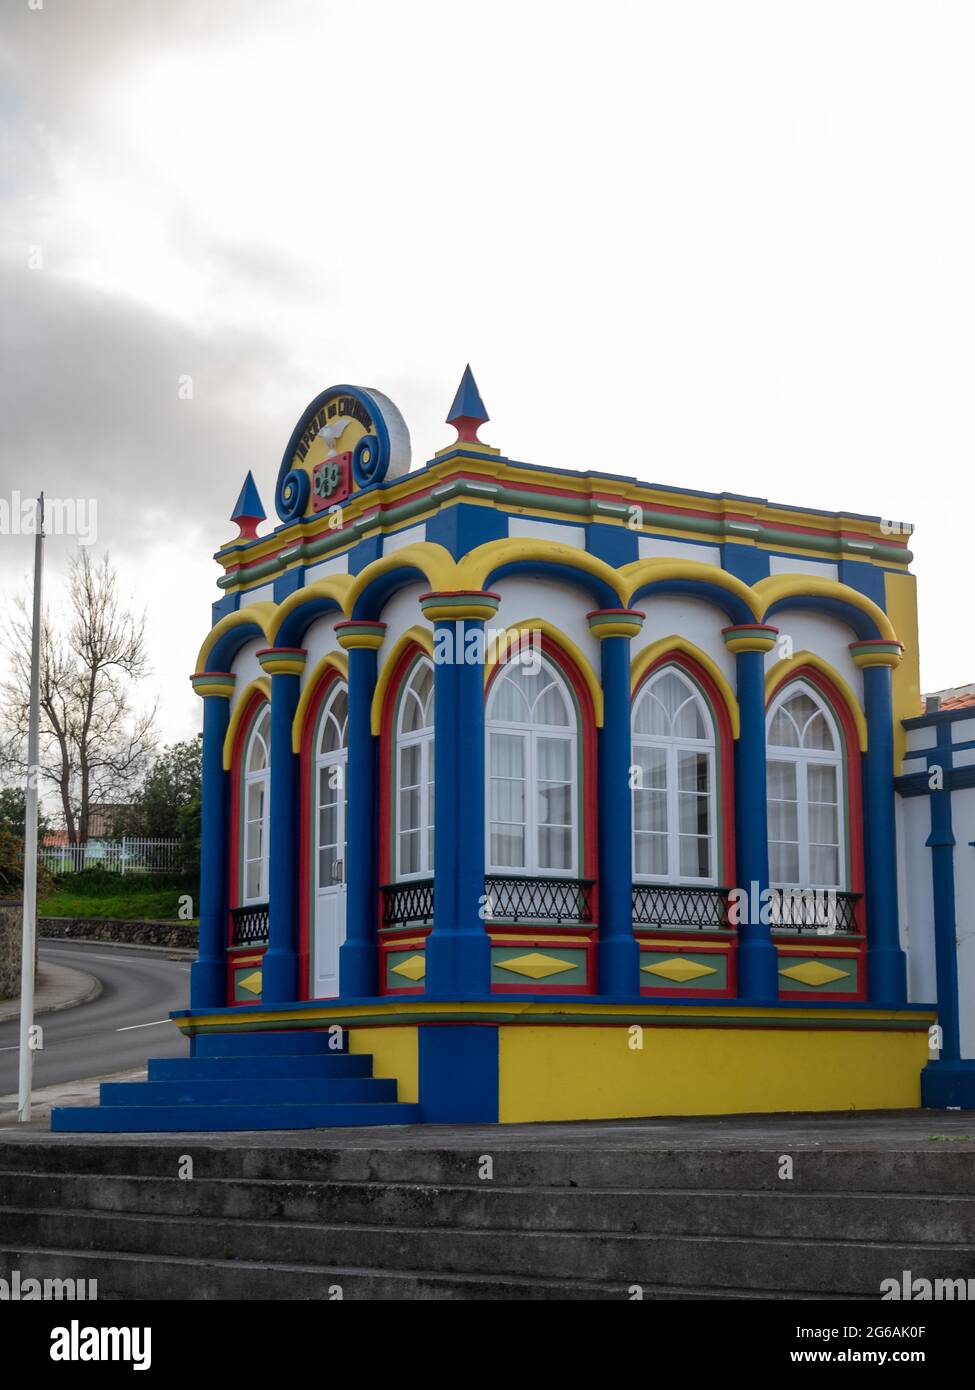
(805, 792)
(331, 755)
(256, 808)
(674, 819)
(414, 775)
(533, 784)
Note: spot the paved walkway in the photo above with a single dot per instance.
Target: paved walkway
(877, 1131)
(56, 987)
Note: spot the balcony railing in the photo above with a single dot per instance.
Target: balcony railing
(511, 899)
(822, 911)
(249, 925)
(674, 907)
(407, 904)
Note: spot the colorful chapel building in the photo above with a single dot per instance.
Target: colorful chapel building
(532, 793)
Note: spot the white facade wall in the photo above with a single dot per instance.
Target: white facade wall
(693, 619)
(824, 637)
(963, 818)
(402, 612)
(246, 668)
(562, 605)
(915, 900)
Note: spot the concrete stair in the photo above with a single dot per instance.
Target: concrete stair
(414, 1220)
(286, 1081)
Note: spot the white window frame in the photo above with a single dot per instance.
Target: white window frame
(530, 733)
(250, 779)
(336, 757)
(803, 757)
(674, 745)
(427, 827)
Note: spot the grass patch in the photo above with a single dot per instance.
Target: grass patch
(95, 893)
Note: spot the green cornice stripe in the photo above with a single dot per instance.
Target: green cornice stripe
(580, 507)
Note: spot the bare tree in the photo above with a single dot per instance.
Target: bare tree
(95, 744)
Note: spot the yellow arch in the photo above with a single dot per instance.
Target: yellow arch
(260, 613)
(263, 684)
(434, 561)
(334, 586)
(639, 572)
(337, 661)
(423, 637)
(475, 567)
(778, 587)
(645, 659)
(506, 638)
(782, 670)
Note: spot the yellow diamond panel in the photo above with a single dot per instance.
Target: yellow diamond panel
(535, 965)
(679, 970)
(251, 982)
(413, 968)
(814, 972)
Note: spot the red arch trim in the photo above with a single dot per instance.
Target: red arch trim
(854, 780)
(387, 741)
(254, 703)
(724, 739)
(322, 690)
(569, 668)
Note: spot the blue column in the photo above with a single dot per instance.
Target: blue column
(758, 969)
(458, 948)
(359, 952)
(280, 972)
(619, 951)
(941, 842)
(208, 973)
(886, 965)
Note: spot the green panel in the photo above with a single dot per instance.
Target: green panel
(848, 985)
(244, 972)
(394, 981)
(716, 961)
(572, 956)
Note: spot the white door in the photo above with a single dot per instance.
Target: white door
(331, 800)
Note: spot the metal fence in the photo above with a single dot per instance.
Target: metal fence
(125, 856)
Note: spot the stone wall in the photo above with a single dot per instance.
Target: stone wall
(135, 933)
(11, 925)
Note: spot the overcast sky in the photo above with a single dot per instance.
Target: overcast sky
(736, 239)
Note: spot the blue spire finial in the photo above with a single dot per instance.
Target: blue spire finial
(467, 411)
(249, 511)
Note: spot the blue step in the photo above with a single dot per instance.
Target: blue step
(249, 1090)
(193, 1119)
(314, 1064)
(265, 1044)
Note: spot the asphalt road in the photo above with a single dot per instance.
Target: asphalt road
(128, 1022)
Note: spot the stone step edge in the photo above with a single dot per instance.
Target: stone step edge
(410, 1276)
(541, 1189)
(150, 1218)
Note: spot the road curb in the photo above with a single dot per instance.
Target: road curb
(83, 989)
(173, 952)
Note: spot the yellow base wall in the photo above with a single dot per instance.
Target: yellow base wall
(592, 1073)
(394, 1052)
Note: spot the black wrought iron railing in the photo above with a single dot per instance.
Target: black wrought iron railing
(511, 899)
(250, 925)
(822, 911)
(407, 904)
(675, 907)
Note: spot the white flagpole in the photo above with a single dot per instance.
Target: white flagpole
(30, 835)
